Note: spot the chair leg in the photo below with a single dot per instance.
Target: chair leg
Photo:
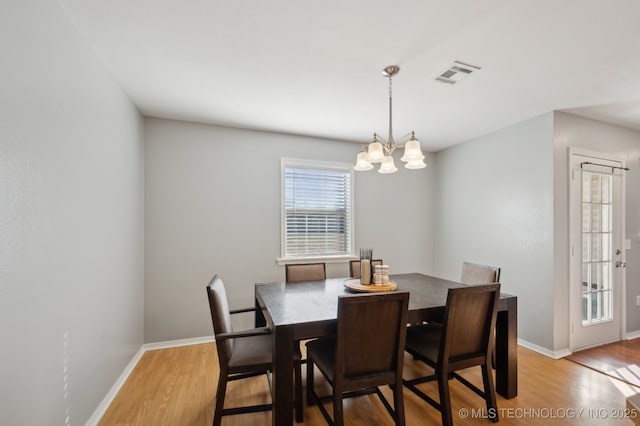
(222, 389)
(310, 399)
(489, 393)
(298, 392)
(445, 398)
(398, 404)
(493, 355)
(338, 414)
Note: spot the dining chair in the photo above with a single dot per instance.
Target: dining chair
(305, 272)
(241, 354)
(479, 274)
(354, 267)
(297, 273)
(367, 352)
(475, 274)
(464, 339)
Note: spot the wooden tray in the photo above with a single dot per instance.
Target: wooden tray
(354, 284)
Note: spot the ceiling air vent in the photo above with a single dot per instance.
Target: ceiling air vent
(456, 72)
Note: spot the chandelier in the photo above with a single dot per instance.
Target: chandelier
(381, 151)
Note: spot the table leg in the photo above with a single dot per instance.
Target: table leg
(282, 391)
(259, 319)
(507, 350)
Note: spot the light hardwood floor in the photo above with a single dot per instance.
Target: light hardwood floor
(177, 387)
(613, 359)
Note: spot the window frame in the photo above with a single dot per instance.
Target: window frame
(347, 168)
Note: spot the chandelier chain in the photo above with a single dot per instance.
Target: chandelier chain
(390, 139)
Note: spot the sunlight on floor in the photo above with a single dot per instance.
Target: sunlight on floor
(630, 374)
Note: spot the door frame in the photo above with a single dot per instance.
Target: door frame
(573, 306)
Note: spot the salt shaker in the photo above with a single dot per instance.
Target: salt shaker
(377, 275)
(384, 271)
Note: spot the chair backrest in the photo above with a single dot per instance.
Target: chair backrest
(305, 272)
(469, 321)
(479, 274)
(220, 316)
(371, 334)
(354, 267)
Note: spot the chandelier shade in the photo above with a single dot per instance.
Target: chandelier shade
(362, 163)
(375, 155)
(381, 151)
(412, 151)
(415, 164)
(387, 165)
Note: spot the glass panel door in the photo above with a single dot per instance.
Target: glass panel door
(596, 221)
(596, 248)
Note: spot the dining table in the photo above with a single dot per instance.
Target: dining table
(308, 309)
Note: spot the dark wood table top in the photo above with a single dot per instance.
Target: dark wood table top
(317, 301)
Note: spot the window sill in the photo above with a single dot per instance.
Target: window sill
(318, 259)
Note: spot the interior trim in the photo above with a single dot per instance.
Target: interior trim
(106, 402)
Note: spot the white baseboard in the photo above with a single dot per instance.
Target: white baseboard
(604, 342)
(108, 399)
(632, 335)
(565, 352)
(544, 351)
(102, 408)
(176, 343)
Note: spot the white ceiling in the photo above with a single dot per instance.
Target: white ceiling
(314, 67)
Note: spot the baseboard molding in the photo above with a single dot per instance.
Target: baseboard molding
(604, 342)
(566, 352)
(632, 335)
(102, 408)
(544, 351)
(176, 343)
(108, 399)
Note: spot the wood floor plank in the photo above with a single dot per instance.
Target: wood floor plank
(177, 386)
(611, 357)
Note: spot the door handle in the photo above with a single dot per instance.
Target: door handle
(620, 264)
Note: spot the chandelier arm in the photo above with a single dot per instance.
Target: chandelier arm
(380, 139)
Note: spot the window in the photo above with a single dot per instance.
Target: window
(317, 209)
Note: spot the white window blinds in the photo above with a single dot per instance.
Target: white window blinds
(317, 209)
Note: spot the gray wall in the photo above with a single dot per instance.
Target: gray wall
(494, 206)
(71, 212)
(212, 205)
(502, 200)
(577, 132)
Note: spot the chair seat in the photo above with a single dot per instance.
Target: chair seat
(252, 351)
(425, 339)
